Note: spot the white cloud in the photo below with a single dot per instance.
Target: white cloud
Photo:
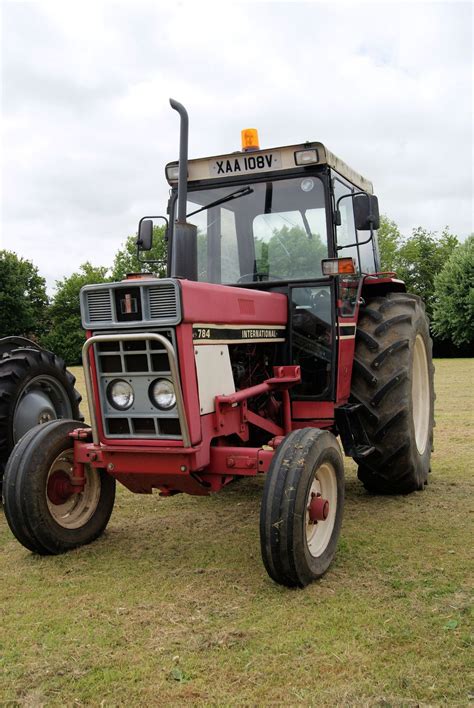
(88, 129)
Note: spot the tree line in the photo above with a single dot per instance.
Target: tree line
(438, 267)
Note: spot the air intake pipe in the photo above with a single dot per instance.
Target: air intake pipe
(184, 244)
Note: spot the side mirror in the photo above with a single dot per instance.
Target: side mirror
(366, 212)
(145, 235)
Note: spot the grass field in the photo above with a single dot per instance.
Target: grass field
(172, 605)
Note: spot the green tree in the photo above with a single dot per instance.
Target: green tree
(420, 258)
(290, 253)
(453, 311)
(66, 335)
(126, 260)
(23, 299)
(389, 240)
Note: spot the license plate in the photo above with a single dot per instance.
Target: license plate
(245, 164)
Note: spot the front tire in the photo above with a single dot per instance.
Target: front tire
(302, 507)
(393, 380)
(43, 516)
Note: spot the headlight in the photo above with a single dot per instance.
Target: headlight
(162, 394)
(120, 394)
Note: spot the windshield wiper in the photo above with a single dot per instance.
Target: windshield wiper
(234, 195)
(306, 224)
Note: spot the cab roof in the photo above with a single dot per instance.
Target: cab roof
(274, 159)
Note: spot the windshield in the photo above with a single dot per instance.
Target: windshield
(266, 231)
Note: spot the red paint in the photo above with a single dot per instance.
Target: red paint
(187, 370)
(264, 423)
(310, 410)
(318, 508)
(240, 460)
(190, 470)
(323, 424)
(284, 377)
(59, 488)
(224, 304)
(381, 284)
(345, 353)
(287, 411)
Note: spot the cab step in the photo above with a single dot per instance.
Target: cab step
(352, 432)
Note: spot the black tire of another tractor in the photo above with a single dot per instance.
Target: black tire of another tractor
(17, 370)
(283, 540)
(25, 493)
(382, 379)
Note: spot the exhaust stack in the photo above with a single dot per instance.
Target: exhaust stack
(183, 159)
(184, 245)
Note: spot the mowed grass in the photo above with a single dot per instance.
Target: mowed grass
(172, 605)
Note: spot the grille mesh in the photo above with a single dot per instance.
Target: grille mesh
(99, 305)
(162, 302)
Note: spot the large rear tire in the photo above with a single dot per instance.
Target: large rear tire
(39, 507)
(393, 380)
(302, 507)
(35, 387)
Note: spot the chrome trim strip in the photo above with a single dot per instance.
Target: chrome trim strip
(173, 368)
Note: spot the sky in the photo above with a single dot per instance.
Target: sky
(87, 128)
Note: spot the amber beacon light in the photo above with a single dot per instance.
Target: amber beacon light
(250, 139)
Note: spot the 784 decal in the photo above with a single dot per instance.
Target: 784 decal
(229, 334)
(201, 333)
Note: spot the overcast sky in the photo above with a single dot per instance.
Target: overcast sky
(87, 127)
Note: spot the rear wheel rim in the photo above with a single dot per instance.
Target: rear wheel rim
(75, 510)
(318, 535)
(43, 399)
(420, 391)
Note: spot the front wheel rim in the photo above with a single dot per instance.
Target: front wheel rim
(420, 391)
(324, 484)
(43, 399)
(76, 509)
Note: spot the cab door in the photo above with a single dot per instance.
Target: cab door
(313, 339)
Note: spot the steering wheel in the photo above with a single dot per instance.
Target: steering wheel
(323, 294)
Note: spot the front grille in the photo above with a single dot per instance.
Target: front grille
(162, 302)
(99, 305)
(139, 363)
(131, 304)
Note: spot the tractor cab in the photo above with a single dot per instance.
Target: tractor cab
(267, 217)
(285, 220)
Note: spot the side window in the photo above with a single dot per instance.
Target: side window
(366, 252)
(346, 232)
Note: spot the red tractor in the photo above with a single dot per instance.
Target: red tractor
(273, 333)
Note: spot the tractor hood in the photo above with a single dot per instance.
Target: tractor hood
(169, 301)
(225, 304)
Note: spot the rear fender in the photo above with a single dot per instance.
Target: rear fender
(8, 344)
(380, 284)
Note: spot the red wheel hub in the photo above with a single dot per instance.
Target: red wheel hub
(318, 509)
(59, 488)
